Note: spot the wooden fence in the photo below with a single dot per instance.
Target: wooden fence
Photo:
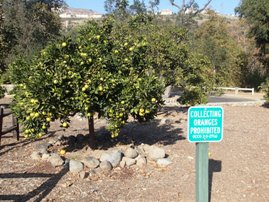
(4, 112)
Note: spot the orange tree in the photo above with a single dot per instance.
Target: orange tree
(95, 72)
(113, 69)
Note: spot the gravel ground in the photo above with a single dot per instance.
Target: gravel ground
(239, 165)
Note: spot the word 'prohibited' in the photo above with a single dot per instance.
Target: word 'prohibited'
(205, 124)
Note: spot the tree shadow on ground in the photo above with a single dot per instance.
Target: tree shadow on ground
(132, 133)
(40, 192)
(166, 131)
(21, 143)
(137, 133)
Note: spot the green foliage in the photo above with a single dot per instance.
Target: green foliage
(169, 55)
(253, 72)
(256, 13)
(168, 47)
(104, 70)
(265, 89)
(213, 40)
(19, 70)
(197, 80)
(2, 92)
(27, 26)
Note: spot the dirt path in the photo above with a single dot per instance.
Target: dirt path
(239, 165)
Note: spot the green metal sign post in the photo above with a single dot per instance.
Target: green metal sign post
(201, 166)
(205, 124)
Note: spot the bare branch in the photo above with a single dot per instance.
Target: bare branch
(177, 6)
(188, 6)
(191, 3)
(200, 10)
(185, 6)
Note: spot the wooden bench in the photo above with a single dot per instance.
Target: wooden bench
(4, 112)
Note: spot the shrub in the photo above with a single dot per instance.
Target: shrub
(170, 56)
(265, 89)
(197, 80)
(2, 92)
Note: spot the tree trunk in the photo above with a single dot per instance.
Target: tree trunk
(91, 132)
(167, 92)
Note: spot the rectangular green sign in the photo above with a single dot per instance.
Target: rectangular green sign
(205, 124)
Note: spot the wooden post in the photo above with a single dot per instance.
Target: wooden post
(91, 132)
(1, 121)
(16, 132)
(202, 172)
(236, 90)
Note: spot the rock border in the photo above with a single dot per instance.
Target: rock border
(109, 159)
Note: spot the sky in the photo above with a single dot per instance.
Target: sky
(221, 6)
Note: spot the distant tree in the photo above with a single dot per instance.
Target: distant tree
(187, 10)
(153, 4)
(122, 8)
(117, 7)
(256, 12)
(2, 42)
(52, 5)
(26, 26)
(138, 7)
(253, 72)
